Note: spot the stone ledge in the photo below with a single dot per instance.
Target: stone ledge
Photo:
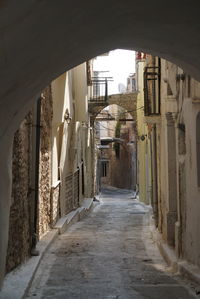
(190, 271)
(186, 269)
(87, 203)
(167, 253)
(64, 222)
(17, 282)
(74, 216)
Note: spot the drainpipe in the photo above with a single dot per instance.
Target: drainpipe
(154, 175)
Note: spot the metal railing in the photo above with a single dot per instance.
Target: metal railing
(99, 89)
(152, 90)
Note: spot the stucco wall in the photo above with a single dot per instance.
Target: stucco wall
(191, 241)
(70, 139)
(142, 143)
(181, 97)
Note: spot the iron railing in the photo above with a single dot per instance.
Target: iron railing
(99, 89)
(152, 90)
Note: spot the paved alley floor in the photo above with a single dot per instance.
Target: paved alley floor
(108, 255)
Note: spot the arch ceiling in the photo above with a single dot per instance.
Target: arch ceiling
(40, 39)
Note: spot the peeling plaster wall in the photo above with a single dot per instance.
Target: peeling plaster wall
(45, 164)
(19, 244)
(20, 231)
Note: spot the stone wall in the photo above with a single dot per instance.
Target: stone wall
(55, 205)
(20, 232)
(19, 244)
(121, 161)
(127, 101)
(121, 176)
(45, 162)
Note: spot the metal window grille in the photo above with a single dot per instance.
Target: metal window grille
(152, 90)
(99, 89)
(104, 168)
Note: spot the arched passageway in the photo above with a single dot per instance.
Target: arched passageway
(42, 39)
(126, 101)
(115, 129)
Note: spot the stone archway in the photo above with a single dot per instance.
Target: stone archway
(115, 128)
(128, 101)
(42, 39)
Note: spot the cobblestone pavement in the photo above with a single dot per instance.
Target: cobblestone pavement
(108, 255)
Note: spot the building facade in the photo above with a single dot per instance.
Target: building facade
(170, 123)
(53, 161)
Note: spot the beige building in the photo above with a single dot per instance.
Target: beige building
(144, 178)
(171, 121)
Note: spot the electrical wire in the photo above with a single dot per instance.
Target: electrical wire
(130, 110)
(104, 128)
(120, 113)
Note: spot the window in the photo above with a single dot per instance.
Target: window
(104, 168)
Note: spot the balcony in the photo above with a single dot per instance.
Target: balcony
(98, 90)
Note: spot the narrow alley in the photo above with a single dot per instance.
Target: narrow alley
(109, 254)
(99, 100)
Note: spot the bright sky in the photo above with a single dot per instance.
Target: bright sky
(119, 63)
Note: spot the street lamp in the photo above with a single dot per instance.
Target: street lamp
(67, 117)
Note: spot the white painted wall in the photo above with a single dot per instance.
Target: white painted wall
(80, 93)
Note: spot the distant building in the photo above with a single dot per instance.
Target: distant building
(117, 150)
(121, 88)
(131, 83)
